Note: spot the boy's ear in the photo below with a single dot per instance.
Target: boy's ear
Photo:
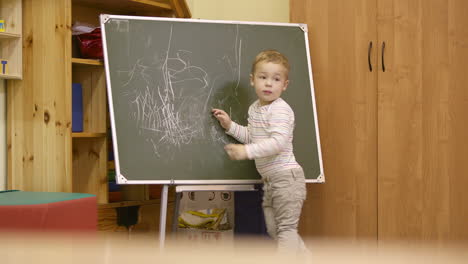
(251, 80)
(286, 85)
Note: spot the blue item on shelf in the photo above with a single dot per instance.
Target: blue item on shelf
(113, 186)
(77, 107)
(110, 152)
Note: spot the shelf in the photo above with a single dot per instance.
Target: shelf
(93, 62)
(87, 135)
(152, 3)
(126, 6)
(6, 35)
(129, 203)
(10, 76)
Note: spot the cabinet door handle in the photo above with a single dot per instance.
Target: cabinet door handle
(383, 53)
(369, 50)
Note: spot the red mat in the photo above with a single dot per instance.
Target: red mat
(45, 211)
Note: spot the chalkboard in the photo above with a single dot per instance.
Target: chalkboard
(164, 75)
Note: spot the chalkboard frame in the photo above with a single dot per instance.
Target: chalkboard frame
(121, 179)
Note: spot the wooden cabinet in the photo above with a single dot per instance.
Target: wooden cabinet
(345, 205)
(392, 140)
(43, 153)
(11, 66)
(422, 120)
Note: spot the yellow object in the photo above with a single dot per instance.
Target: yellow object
(2, 25)
(214, 219)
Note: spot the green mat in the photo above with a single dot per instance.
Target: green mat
(15, 197)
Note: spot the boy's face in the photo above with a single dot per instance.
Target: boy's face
(269, 80)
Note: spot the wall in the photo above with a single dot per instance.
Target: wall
(241, 10)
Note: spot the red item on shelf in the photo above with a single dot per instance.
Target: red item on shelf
(115, 197)
(155, 191)
(91, 44)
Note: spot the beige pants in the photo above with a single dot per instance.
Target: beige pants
(284, 194)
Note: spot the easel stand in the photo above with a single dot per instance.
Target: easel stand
(189, 188)
(162, 216)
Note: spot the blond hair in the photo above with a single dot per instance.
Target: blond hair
(272, 56)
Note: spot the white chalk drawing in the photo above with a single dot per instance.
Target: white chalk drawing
(172, 102)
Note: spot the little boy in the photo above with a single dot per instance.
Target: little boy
(268, 140)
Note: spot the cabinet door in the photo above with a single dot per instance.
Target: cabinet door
(422, 120)
(340, 32)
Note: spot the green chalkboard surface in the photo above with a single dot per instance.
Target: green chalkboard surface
(164, 75)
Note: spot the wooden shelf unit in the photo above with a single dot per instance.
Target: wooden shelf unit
(11, 39)
(43, 152)
(90, 148)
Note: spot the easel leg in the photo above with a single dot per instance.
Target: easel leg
(175, 220)
(162, 217)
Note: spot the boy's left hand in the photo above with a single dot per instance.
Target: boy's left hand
(236, 151)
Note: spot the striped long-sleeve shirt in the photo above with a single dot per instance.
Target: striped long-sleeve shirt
(268, 136)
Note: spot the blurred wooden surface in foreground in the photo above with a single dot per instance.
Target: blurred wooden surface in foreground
(75, 248)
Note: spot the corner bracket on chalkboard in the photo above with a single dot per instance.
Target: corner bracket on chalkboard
(104, 18)
(304, 27)
(122, 179)
(321, 178)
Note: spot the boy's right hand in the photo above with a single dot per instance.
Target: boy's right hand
(223, 118)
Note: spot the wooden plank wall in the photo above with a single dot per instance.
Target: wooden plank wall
(39, 111)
